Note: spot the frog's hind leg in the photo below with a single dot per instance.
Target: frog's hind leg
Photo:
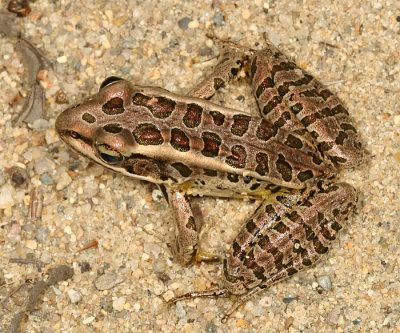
(271, 73)
(292, 99)
(232, 58)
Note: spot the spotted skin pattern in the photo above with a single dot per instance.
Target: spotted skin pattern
(190, 146)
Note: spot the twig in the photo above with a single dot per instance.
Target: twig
(27, 261)
(58, 274)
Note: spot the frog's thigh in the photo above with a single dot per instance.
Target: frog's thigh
(186, 236)
(230, 61)
(284, 237)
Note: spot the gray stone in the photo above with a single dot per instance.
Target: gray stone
(183, 23)
(41, 234)
(108, 281)
(46, 179)
(218, 19)
(325, 282)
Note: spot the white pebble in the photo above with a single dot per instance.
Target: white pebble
(157, 195)
(62, 59)
(88, 320)
(74, 296)
(193, 24)
(246, 14)
(325, 282)
(168, 295)
(118, 304)
(63, 181)
(6, 199)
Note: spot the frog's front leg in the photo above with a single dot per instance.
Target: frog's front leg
(185, 245)
(231, 59)
(186, 235)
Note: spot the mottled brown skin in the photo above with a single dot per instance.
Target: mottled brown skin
(190, 146)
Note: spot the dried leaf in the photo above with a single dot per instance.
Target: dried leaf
(8, 25)
(33, 59)
(58, 274)
(34, 107)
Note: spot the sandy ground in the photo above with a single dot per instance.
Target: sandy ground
(352, 46)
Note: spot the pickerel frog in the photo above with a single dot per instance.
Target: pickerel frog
(285, 157)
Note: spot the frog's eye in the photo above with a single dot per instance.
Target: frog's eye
(108, 155)
(109, 80)
(74, 135)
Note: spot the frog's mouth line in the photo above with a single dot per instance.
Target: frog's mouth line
(81, 145)
(84, 146)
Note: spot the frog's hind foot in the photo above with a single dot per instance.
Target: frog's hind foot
(224, 43)
(194, 294)
(238, 302)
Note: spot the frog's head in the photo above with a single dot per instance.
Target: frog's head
(100, 129)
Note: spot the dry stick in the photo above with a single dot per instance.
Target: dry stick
(60, 273)
(4, 301)
(27, 261)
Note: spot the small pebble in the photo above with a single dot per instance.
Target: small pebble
(108, 281)
(107, 304)
(157, 195)
(241, 323)
(119, 61)
(41, 125)
(53, 317)
(193, 24)
(42, 74)
(6, 199)
(168, 295)
(2, 180)
(88, 320)
(43, 165)
(85, 266)
(74, 296)
(211, 328)
(180, 310)
(46, 179)
(15, 229)
(153, 250)
(90, 189)
(41, 234)
(63, 181)
(61, 97)
(118, 304)
(325, 282)
(18, 175)
(218, 19)
(288, 300)
(62, 59)
(183, 23)
(31, 244)
(333, 317)
(51, 136)
(246, 14)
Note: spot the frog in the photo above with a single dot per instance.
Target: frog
(286, 157)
